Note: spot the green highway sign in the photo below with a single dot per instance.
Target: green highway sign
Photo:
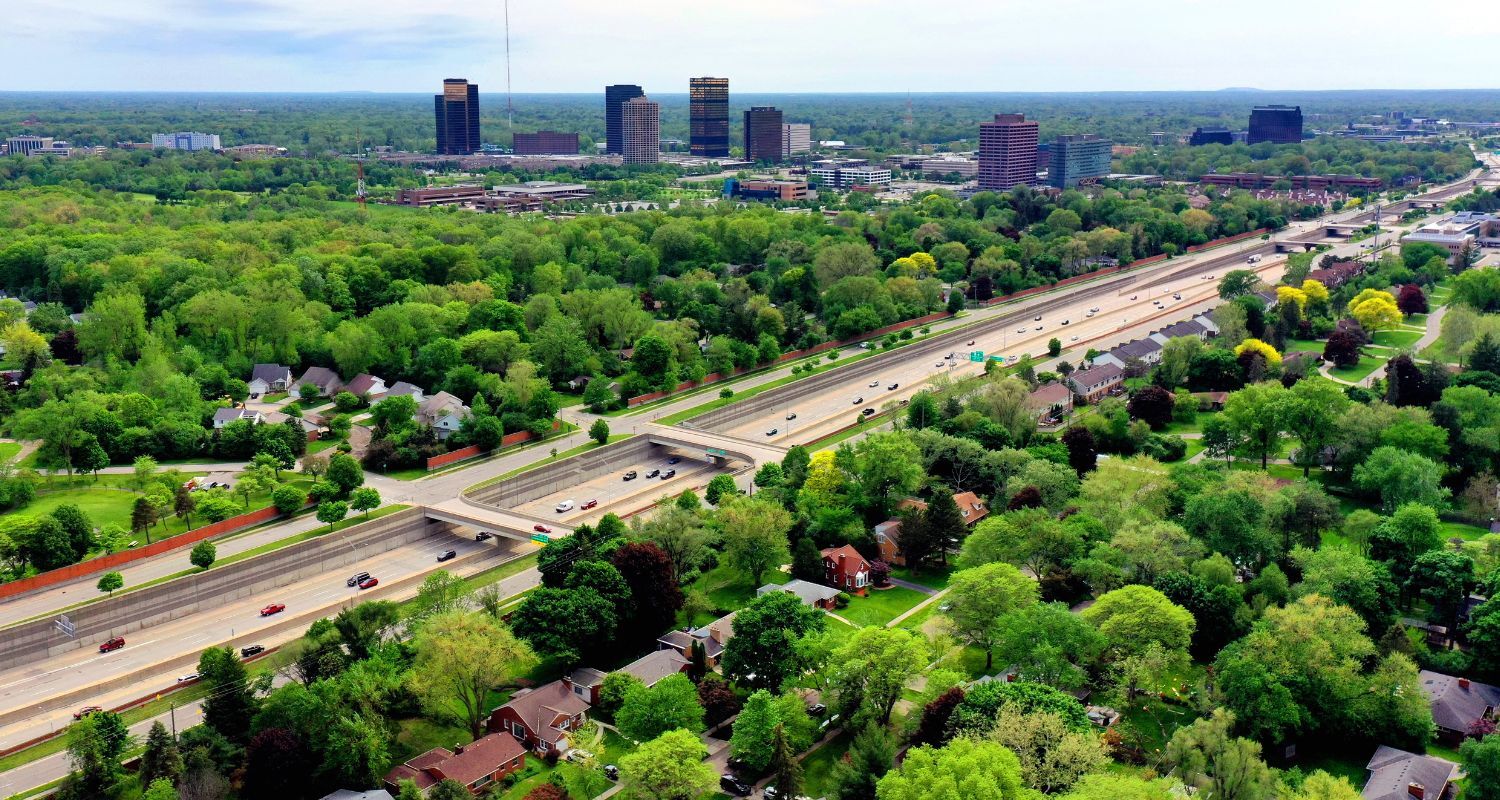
(1001, 359)
(976, 355)
(540, 538)
(714, 451)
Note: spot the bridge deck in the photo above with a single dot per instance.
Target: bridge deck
(491, 519)
(716, 444)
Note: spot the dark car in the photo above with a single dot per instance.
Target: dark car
(817, 709)
(893, 387)
(669, 474)
(274, 608)
(482, 535)
(868, 412)
(447, 555)
(85, 711)
(857, 401)
(773, 432)
(630, 476)
(369, 583)
(791, 415)
(113, 644)
(735, 786)
(674, 459)
(252, 650)
(356, 578)
(653, 473)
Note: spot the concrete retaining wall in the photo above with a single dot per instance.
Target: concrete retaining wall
(31, 642)
(571, 471)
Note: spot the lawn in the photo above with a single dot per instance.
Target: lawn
(932, 578)
(1397, 339)
(8, 451)
(1195, 426)
(882, 606)
(1194, 447)
(728, 589)
(107, 500)
(817, 766)
(1358, 372)
(581, 781)
(1299, 345)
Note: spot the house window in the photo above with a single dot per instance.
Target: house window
(518, 730)
(481, 783)
(859, 580)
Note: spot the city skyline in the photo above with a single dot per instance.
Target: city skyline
(276, 45)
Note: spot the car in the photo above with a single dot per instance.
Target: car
(1094, 310)
(356, 578)
(565, 506)
(578, 754)
(669, 474)
(1064, 322)
(1090, 314)
(112, 644)
(938, 364)
(817, 709)
(1037, 318)
(876, 382)
(369, 583)
(85, 711)
(864, 345)
(735, 786)
(191, 676)
(653, 473)
(540, 528)
(252, 650)
(868, 412)
(1177, 297)
(611, 771)
(1020, 330)
(447, 555)
(970, 344)
(945, 607)
(858, 400)
(590, 504)
(893, 387)
(482, 535)
(274, 608)
(1134, 296)
(1038, 327)
(674, 460)
(949, 356)
(1074, 339)
(630, 476)
(773, 431)
(791, 415)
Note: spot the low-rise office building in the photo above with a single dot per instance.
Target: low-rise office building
(850, 177)
(754, 189)
(543, 143)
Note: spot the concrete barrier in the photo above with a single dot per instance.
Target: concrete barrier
(31, 642)
(571, 471)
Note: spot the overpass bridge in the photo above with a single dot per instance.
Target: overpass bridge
(718, 448)
(490, 519)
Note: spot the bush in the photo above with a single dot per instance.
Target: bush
(288, 499)
(725, 394)
(842, 600)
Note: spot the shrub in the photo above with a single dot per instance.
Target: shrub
(842, 600)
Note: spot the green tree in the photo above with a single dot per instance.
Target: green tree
(973, 770)
(566, 624)
(203, 555)
(230, 703)
(160, 789)
(461, 658)
(1134, 617)
(754, 531)
(364, 499)
(870, 757)
(1049, 644)
(1053, 755)
(768, 646)
(671, 704)
(870, 669)
(786, 771)
(332, 511)
(1205, 755)
(110, 581)
(161, 759)
(288, 499)
(669, 767)
(1400, 477)
(1254, 415)
(95, 744)
(720, 487)
(807, 561)
(599, 432)
(751, 739)
(979, 597)
(1311, 411)
(1481, 760)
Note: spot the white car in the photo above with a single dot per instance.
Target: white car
(191, 676)
(874, 383)
(565, 506)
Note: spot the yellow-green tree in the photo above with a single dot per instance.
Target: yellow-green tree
(1317, 293)
(1273, 358)
(1376, 313)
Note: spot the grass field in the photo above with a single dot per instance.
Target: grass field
(107, 501)
(1358, 372)
(817, 766)
(1397, 339)
(8, 451)
(728, 589)
(882, 606)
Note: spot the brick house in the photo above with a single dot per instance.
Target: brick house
(476, 765)
(971, 507)
(714, 636)
(888, 533)
(1050, 400)
(846, 569)
(1097, 381)
(542, 718)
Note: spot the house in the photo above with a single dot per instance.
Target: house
(657, 665)
(888, 539)
(1097, 381)
(714, 636)
(1457, 703)
(366, 385)
(580, 382)
(971, 507)
(444, 413)
(224, 416)
(350, 794)
(1211, 401)
(542, 718)
(1050, 401)
(586, 682)
(475, 765)
(325, 379)
(268, 378)
(1146, 351)
(404, 389)
(1178, 330)
(1399, 775)
(312, 425)
(811, 594)
(846, 569)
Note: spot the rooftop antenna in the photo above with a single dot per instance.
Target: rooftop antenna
(510, 114)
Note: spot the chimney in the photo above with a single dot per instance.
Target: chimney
(841, 563)
(1010, 677)
(1416, 790)
(458, 749)
(1463, 683)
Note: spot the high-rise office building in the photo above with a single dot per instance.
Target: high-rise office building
(185, 140)
(640, 131)
(614, 141)
(796, 138)
(544, 143)
(1276, 124)
(457, 113)
(1211, 134)
(708, 116)
(1007, 152)
(1077, 158)
(763, 133)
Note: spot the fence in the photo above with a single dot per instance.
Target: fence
(113, 560)
(473, 451)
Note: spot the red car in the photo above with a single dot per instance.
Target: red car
(540, 528)
(113, 644)
(274, 608)
(591, 504)
(85, 711)
(369, 583)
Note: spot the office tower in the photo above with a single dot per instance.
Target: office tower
(708, 115)
(1078, 157)
(24, 145)
(1211, 134)
(763, 134)
(543, 143)
(614, 141)
(457, 114)
(1277, 124)
(640, 131)
(1007, 152)
(796, 137)
(186, 140)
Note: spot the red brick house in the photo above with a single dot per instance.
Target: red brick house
(542, 718)
(888, 533)
(476, 765)
(846, 569)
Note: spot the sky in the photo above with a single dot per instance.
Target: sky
(760, 45)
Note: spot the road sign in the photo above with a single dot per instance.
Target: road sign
(540, 538)
(1001, 359)
(976, 355)
(65, 625)
(715, 451)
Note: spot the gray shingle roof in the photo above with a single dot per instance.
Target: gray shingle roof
(1393, 771)
(1455, 707)
(1139, 348)
(1094, 376)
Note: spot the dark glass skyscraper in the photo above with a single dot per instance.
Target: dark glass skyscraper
(1278, 124)
(763, 134)
(457, 112)
(613, 97)
(708, 115)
